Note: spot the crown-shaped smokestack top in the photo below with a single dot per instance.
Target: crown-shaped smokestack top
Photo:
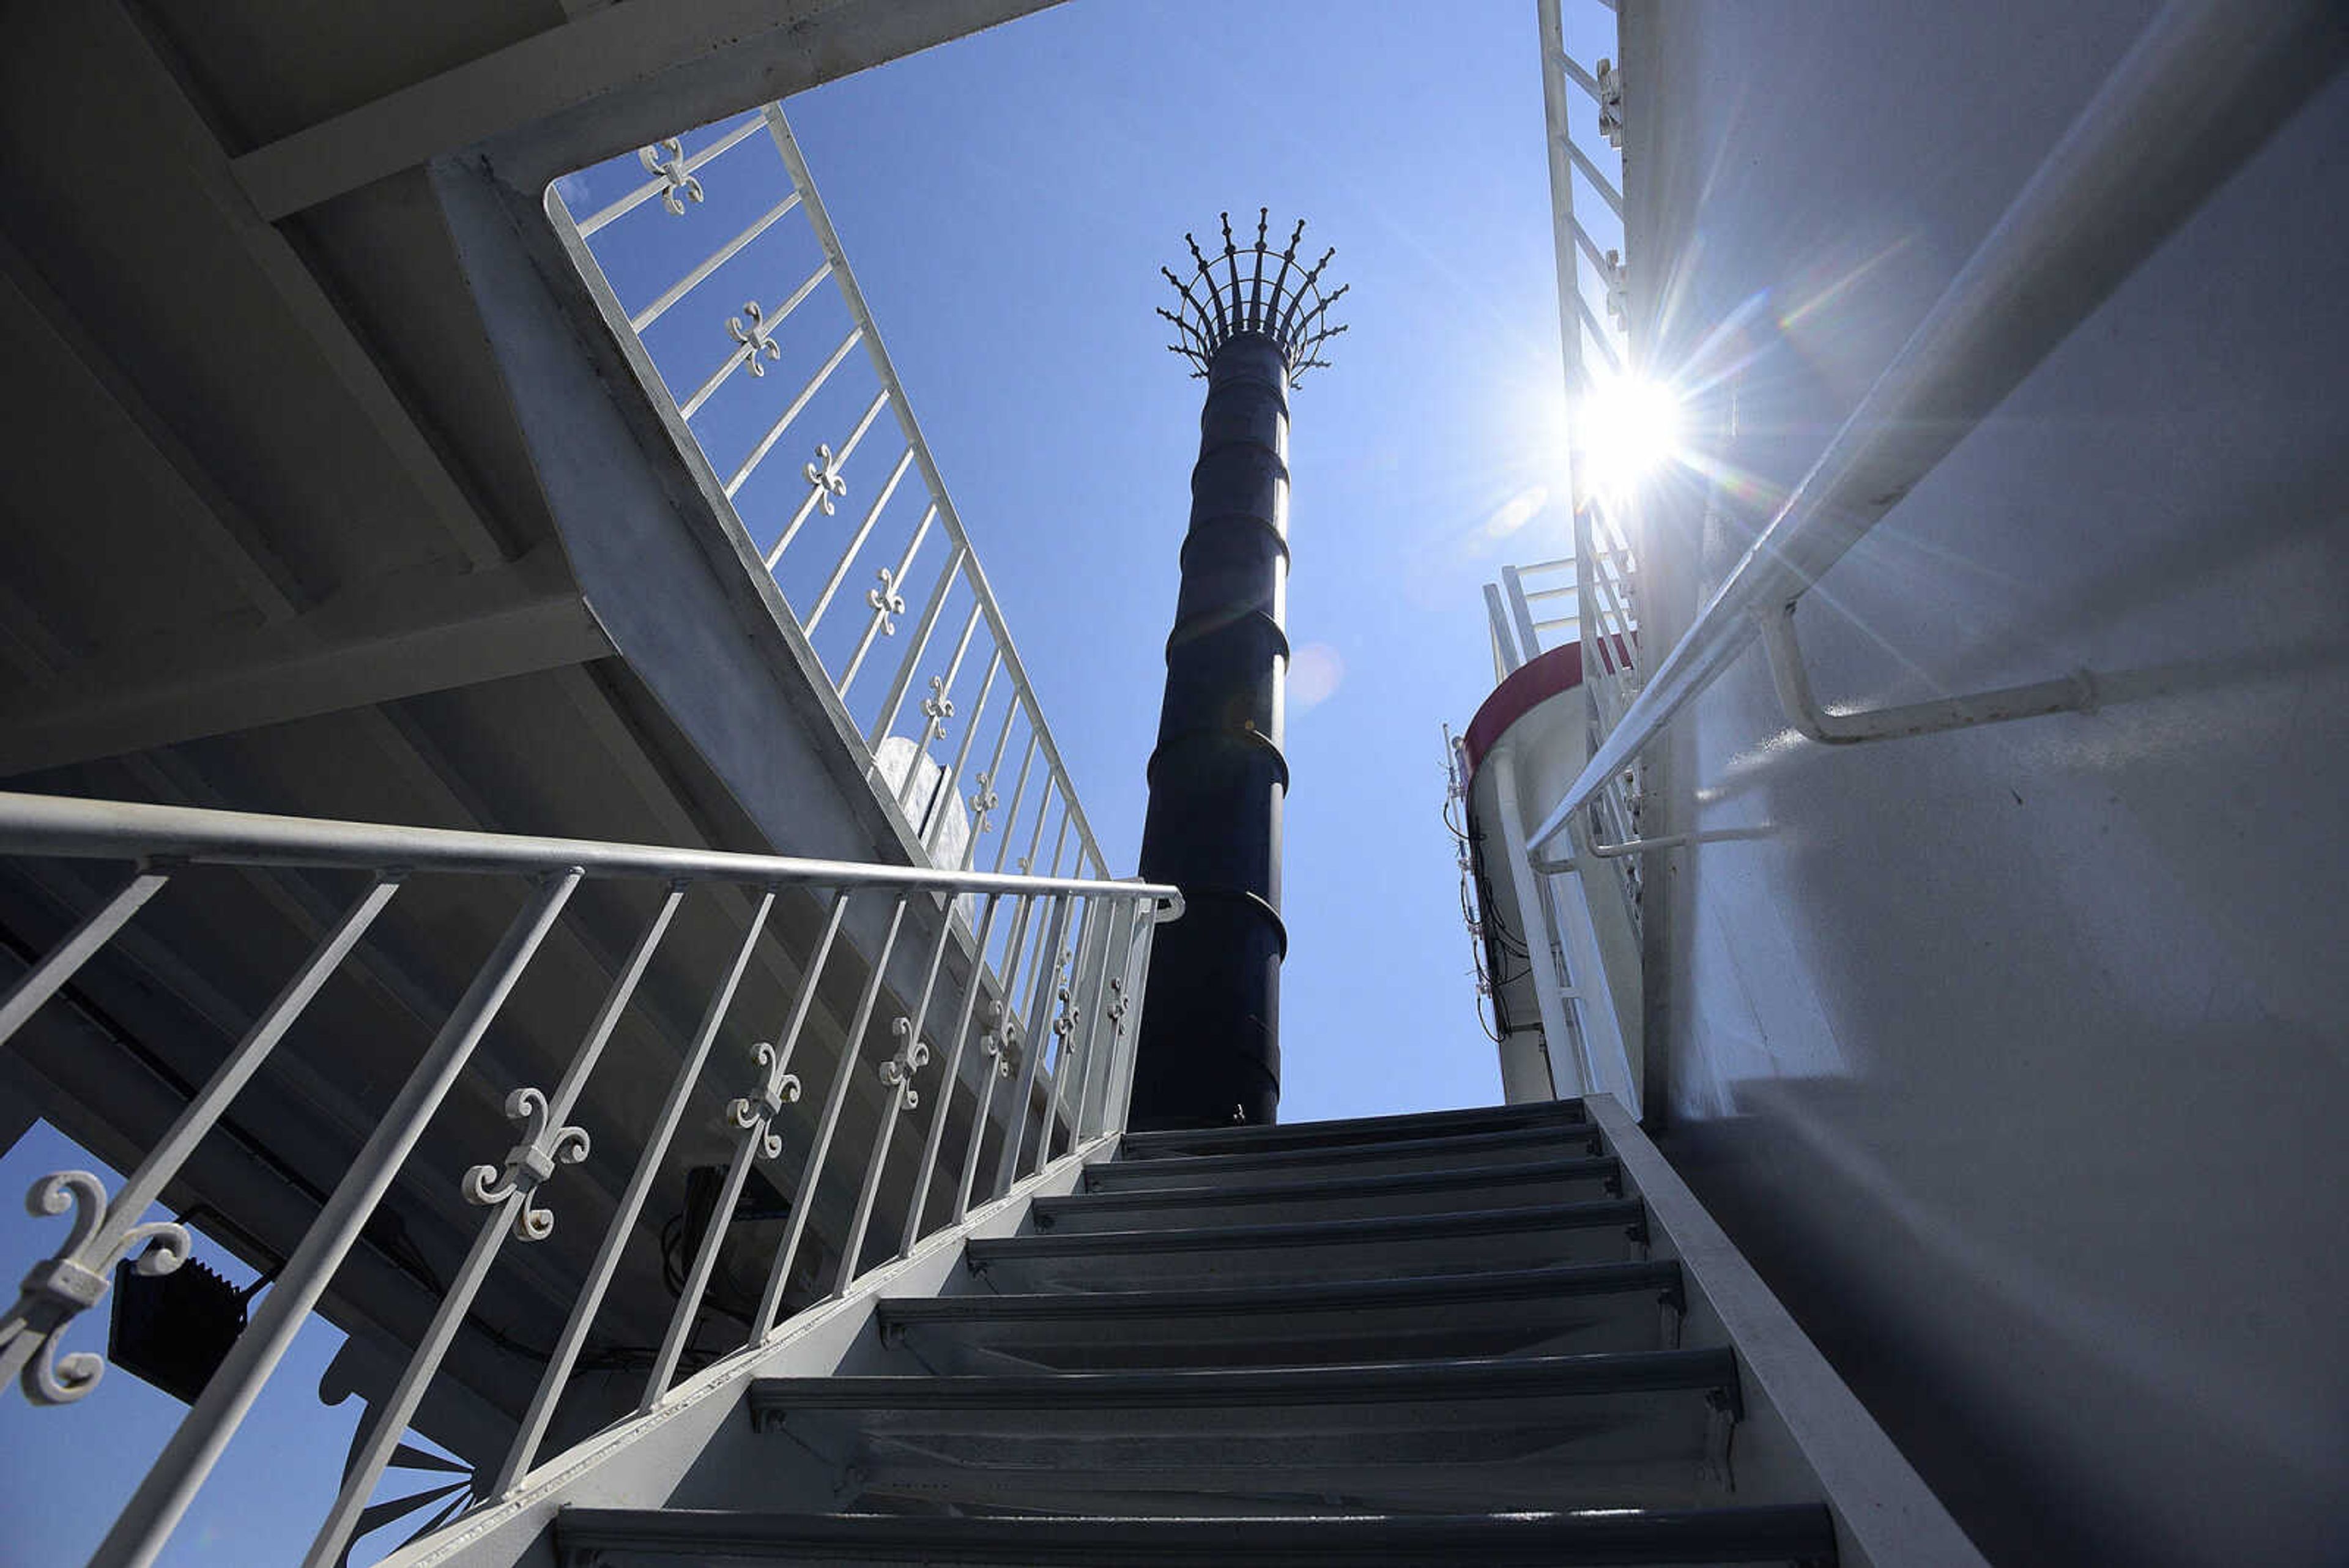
(1254, 288)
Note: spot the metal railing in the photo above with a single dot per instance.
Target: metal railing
(1600, 577)
(678, 232)
(2203, 88)
(1050, 983)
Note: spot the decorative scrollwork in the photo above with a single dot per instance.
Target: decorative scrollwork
(1004, 1046)
(758, 337)
(1117, 1008)
(1611, 102)
(898, 1071)
(1065, 996)
(71, 1281)
(757, 1116)
(984, 799)
(667, 159)
(1619, 292)
(886, 601)
(939, 707)
(544, 1146)
(824, 474)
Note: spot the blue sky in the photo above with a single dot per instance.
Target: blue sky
(1007, 203)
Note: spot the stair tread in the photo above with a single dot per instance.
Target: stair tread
(1557, 1280)
(1354, 1129)
(1443, 1144)
(1306, 1232)
(1591, 1538)
(1495, 1378)
(1578, 1167)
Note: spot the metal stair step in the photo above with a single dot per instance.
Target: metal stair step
(1640, 1429)
(1349, 1196)
(1348, 1130)
(1603, 1231)
(1803, 1534)
(1575, 1307)
(1558, 1140)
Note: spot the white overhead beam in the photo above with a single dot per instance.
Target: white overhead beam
(792, 43)
(353, 652)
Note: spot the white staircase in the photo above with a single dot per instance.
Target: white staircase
(1436, 1339)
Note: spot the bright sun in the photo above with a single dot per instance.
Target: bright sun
(1626, 429)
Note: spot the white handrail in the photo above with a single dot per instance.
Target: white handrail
(2201, 89)
(1092, 916)
(132, 830)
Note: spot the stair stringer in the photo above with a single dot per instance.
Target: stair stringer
(1801, 1422)
(699, 1433)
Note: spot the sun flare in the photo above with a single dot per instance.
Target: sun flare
(1626, 429)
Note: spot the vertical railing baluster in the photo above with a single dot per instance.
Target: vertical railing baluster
(888, 602)
(1060, 958)
(533, 1430)
(824, 476)
(145, 1523)
(936, 710)
(1119, 1088)
(856, 542)
(1001, 1043)
(661, 183)
(32, 1327)
(748, 342)
(1097, 965)
(984, 799)
(774, 432)
(755, 1117)
(710, 264)
(44, 979)
(804, 1195)
(897, 1077)
(1018, 793)
(1109, 1023)
(1068, 1031)
(951, 780)
(919, 645)
(1040, 1001)
(948, 1077)
(511, 1197)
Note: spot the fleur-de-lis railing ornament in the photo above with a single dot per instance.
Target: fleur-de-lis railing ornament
(1116, 1010)
(544, 1146)
(1611, 102)
(898, 1071)
(759, 337)
(667, 159)
(886, 601)
(757, 1117)
(72, 1279)
(1064, 995)
(1619, 292)
(983, 800)
(938, 708)
(1004, 1047)
(824, 474)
